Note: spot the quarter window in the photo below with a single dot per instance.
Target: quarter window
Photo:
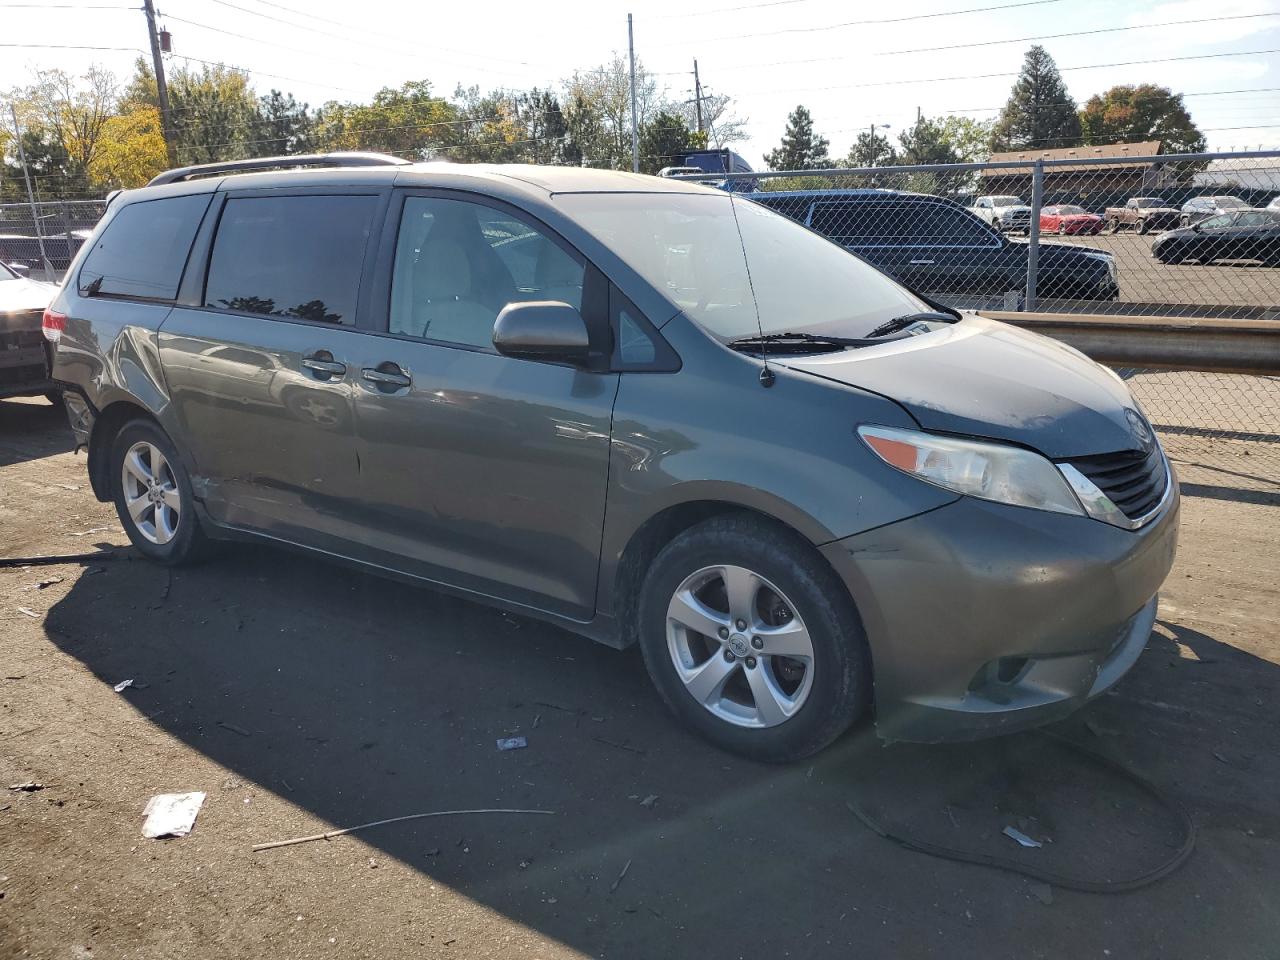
(295, 257)
(144, 248)
(459, 263)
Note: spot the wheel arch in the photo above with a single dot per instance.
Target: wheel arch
(663, 526)
(110, 420)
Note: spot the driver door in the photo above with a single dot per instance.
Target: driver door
(481, 471)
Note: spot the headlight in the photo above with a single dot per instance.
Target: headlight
(988, 471)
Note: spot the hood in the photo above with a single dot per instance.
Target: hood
(981, 378)
(1004, 211)
(21, 295)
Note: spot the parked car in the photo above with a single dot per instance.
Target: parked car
(1142, 214)
(680, 171)
(939, 248)
(59, 248)
(1006, 213)
(1066, 218)
(1202, 208)
(694, 425)
(24, 354)
(1244, 235)
(722, 160)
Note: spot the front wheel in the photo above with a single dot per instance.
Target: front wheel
(1062, 229)
(153, 495)
(752, 640)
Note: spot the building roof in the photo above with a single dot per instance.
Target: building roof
(1116, 151)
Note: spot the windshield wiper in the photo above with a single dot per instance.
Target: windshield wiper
(799, 342)
(901, 323)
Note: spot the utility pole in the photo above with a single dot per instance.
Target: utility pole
(697, 93)
(162, 88)
(635, 130)
(31, 197)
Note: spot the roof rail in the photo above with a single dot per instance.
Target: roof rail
(277, 163)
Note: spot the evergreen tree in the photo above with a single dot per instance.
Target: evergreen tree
(926, 142)
(282, 125)
(664, 141)
(801, 148)
(871, 150)
(1040, 113)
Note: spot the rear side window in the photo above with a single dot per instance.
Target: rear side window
(297, 257)
(142, 251)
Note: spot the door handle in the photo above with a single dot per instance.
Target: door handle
(387, 375)
(322, 363)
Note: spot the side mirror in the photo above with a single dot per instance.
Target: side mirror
(21, 269)
(542, 330)
(1195, 227)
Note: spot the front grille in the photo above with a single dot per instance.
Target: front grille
(1134, 481)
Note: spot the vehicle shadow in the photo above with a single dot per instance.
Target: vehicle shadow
(360, 699)
(31, 429)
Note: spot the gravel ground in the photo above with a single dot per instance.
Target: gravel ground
(302, 696)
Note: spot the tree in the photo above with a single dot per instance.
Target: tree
(1040, 113)
(407, 121)
(720, 123)
(871, 150)
(926, 142)
(664, 140)
(546, 127)
(131, 152)
(599, 111)
(69, 114)
(215, 111)
(1131, 114)
(801, 148)
(969, 138)
(282, 125)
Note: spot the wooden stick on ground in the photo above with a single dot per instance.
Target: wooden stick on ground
(330, 834)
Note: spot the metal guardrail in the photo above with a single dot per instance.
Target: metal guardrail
(1161, 343)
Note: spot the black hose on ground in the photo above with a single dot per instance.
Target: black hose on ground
(49, 561)
(1010, 865)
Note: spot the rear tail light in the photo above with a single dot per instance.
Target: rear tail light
(53, 323)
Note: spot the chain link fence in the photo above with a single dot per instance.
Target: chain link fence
(1115, 234)
(42, 240)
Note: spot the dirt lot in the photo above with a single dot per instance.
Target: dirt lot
(301, 696)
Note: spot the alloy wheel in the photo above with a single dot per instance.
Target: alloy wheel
(739, 646)
(151, 492)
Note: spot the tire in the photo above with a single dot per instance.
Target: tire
(806, 702)
(1062, 229)
(168, 533)
(1142, 227)
(1111, 226)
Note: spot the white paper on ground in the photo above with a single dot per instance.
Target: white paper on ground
(171, 814)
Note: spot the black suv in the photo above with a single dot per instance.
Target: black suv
(939, 248)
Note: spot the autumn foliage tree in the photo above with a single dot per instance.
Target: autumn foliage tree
(1132, 114)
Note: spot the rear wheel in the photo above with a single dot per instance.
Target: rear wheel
(1142, 226)
(1111, 226)
(752, 640)
(153, 495)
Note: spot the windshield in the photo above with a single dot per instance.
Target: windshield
(6, 274)
(689, 247)
(1231, 203)
(1070, 210)
(1006, 201)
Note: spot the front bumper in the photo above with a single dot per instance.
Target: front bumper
(984, 619)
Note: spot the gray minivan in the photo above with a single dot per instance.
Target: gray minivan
(642, 409)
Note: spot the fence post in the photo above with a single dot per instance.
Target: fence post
(1033, 234)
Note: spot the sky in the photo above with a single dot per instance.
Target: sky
(853, 64)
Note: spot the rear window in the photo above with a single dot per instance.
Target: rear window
(296, 257)
(144, 248)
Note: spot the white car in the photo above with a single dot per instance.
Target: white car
(1007, 214)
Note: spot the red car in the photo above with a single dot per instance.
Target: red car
(1065, 218)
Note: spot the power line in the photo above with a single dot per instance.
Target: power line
(67, 46)
(349, 39)
(861, 23)
(993, 43)
(987, 76)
